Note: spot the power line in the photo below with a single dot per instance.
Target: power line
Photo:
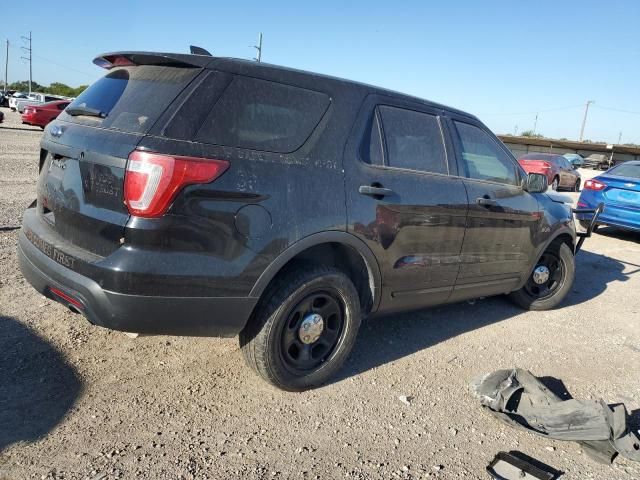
(67, 67)
(64, 66)
(534, 112)
(617, 110)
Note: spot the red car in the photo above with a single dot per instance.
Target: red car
(41, 115)
(559, 171)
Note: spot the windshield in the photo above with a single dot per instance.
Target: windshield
(131, 98)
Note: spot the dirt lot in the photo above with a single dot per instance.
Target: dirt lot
(78, 401)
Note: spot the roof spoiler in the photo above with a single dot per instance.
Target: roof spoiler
(127, 59)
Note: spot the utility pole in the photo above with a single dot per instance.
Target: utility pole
(28, 49)
(258, 48)
(535, 124)
(619, 138)
(584, 120)
(6, 67)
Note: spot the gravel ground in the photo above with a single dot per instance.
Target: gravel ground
(82, 402)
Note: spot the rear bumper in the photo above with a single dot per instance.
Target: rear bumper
(197, 316)
(613, 215)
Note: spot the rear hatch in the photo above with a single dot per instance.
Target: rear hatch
(84, 153)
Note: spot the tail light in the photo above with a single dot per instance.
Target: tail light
(152, 180)
(594, 185)
(546, 165)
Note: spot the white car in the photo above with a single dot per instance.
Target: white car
(35, 99)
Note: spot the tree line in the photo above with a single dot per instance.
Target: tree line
(56, 88)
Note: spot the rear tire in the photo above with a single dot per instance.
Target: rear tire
(576, 187)
(273, 341)
(559, 261)
(555, 183)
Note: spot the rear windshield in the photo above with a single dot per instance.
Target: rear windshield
(631, 170)
(239, 111)
(132, 98)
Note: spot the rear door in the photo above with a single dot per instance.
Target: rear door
(84, 153)
(403, 202)
(503, 218)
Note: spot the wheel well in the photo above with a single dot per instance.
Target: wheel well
(344, 258)
(564, 238)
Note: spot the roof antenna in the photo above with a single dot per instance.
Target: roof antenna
(199, 51)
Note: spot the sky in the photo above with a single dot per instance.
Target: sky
(503, 61)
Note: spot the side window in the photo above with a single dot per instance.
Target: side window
(371, 148)
(413, 140)
(482, 158)
(263, 115)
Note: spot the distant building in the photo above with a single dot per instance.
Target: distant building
(523, 145)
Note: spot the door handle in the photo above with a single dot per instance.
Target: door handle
(486, 202)
(375, 191)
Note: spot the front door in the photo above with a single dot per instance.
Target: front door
(403, 202)
(568, 175)
(503, 218)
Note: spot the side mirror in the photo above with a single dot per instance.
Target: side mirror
(536, 183)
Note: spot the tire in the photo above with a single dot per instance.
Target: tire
(272, 342)
(576, 187)
(555, 183)
(529, 299)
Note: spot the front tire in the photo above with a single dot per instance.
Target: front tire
(304, 330)
(550, 281)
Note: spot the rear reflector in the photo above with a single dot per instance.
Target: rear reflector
(152, 180)
(68, 298)
(594, 185)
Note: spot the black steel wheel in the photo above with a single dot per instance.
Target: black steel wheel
(311, 331)
(550, 281)
(304, 327)
(546, 278)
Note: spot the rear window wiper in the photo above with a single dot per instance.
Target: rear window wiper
(89, 112)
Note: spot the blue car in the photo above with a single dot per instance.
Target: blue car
(619, 189)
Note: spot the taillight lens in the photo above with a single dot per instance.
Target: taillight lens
(594, 185)
(546, 165)
(152, 180)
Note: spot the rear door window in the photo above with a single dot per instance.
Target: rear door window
(132, 98)
(482, 157)
(413, 140)
(263, 115)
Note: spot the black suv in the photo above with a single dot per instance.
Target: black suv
(196, 195)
